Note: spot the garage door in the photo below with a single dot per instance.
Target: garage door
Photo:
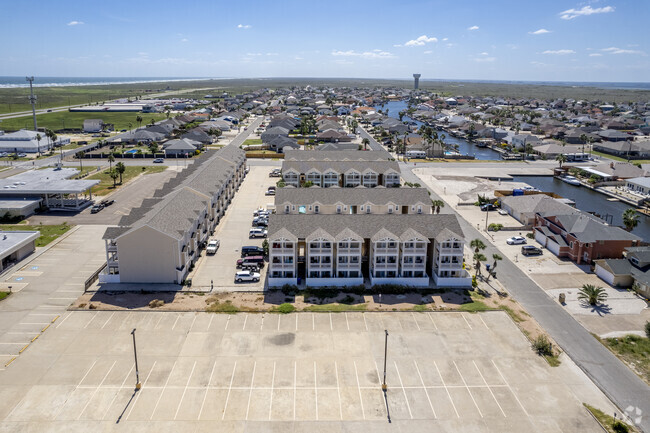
(605, 275)
(539, 237)
(553, 247)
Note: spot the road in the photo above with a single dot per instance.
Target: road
(615, 379)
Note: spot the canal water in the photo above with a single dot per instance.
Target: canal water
(464, 147)
(588, 201)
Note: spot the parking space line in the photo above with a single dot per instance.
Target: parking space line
(87, 372)
(489, 389)
(356, 373)
(399, 376)
(295, 373)
(163, 390)
(95, 391)
(261, 324)
(185, 390)
(425, 388)
(338, 390)
(207, 387)
(64, 319)
(229, 389)
(158, 322)
(446, 389)
(178, 316)
(364, 322)
(278, 322)
(434, 323)
(109, 319)
(415, 320)
(210, 322)
(192, 325)
(117, 392)
(470, 392)
(316, 390)
(272, 383)
(228, 321)
(313, 322)
(76, 387)
(331, 327)
(481, 317)
(466, 321)
(510, 388)
(141, 390)
(296, 323)
(91, 319)
(346, 321)
(250, 393)
(243, 328)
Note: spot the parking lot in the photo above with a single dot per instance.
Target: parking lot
(219, 269)
(300, 372)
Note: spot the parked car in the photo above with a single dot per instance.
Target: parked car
(251, 260)
(488, 207)
(261, 213)
(107, 202)
(22, 155)
(270, 191)
(96, 208)
(276, 172)
(213, 246)
(516, 240)
(257, 233)
(251, 251)
(159, 160)
(247, 276)
(503, 212)
(530, 250)
(260, 221)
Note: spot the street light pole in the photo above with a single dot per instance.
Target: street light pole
(32, 100)
(138, 385)
(383, 385)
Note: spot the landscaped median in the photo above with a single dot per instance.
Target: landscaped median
(48, 232)
(107, 185)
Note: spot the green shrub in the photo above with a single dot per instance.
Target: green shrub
(647, 329)
(542, 346)
(286, 308)
(619, 427)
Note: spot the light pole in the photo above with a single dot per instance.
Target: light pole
(138, 385)
(383, 385)
(32, 100)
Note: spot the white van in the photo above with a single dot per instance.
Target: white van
(416, 154)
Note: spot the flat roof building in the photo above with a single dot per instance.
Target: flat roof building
(15, 246)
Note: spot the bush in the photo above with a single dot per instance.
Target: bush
(647, 329)
(156, 303)
(286, 308)
(542, 346)
(619, 427)
(495, 227)
(530, 235)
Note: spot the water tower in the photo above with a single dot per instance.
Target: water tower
(416, 86)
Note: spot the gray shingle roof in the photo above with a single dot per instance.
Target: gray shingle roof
(364, 225)
(587, 229)
(352, 196)
(340, 166)
(340, 155)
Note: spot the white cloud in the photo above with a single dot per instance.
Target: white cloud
(271, 54)
(484, 54)
(539, 32)
(614, 50)
(473, 28)
(595, 55)
(184, 40)
(397, 45)
(445, 39)
(428, 52)
(485, 59)
(376, 54)
(298, 58)
(75, 23)
(244, 26)
(560, 52)
(424, 39)
(570, 14)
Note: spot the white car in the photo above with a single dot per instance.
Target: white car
(516, 240)
(212, 247)
(503, 212)
(257, 233)
(246, 276)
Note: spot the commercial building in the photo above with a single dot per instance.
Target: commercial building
(343, 250)
(160, 241)
(15, 246)
(28, 142)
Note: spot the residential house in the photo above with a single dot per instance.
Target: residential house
(631, 271)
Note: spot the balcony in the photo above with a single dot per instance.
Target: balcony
(320, 250)
(281, 251)
(111, 248)
(450, 250)
(450, 266)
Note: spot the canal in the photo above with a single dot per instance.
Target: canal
(464, 147)
(588, 201)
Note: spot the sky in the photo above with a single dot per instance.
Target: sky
(549, 40)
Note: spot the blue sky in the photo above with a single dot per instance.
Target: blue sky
(550, 40)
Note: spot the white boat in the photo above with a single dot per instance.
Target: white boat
(571, 180)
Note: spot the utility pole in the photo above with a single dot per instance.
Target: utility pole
(383, 385)
(32, 100)
(138, 385)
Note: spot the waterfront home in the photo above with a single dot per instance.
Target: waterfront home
(615, 170)
(581, 237)
(639, 185)
(524, 207)
(626, 149)
(632, 271)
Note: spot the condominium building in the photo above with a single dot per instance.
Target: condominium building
(348, 174)
(378, 200)
(159, 241)
(343, 250)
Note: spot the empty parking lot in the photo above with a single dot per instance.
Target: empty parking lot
(301, 372)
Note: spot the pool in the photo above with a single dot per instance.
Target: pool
(132, 151)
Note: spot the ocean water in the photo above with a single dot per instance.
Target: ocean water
(7, 82)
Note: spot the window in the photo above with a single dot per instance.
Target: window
(343, 245)
(288, 244)
(338, 209)
(634, 261)
(390, 209)
(286, 209)
(419, 209)
(354, 245)
(343, 259)
(316, 209)
(368, 209)
(571, 245)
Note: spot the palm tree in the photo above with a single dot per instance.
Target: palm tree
(120, 168)
(477, 244)
(38, 139)
(81, 155)
(114, 175)
(561, 159)
(111, 159)
(496, 259)
(630, 219)
(152, 122)
(437, 205)
(591, 294)
(478, 258)
(365, 143)
(138, 119)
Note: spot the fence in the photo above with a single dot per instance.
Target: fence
(91, 280)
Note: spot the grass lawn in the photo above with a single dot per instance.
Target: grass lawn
(618, 158)
(251, 141)
(48, 232)
(634, 351)
(3, 295)
(105, 185)
(607, 421)
(56, 120)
